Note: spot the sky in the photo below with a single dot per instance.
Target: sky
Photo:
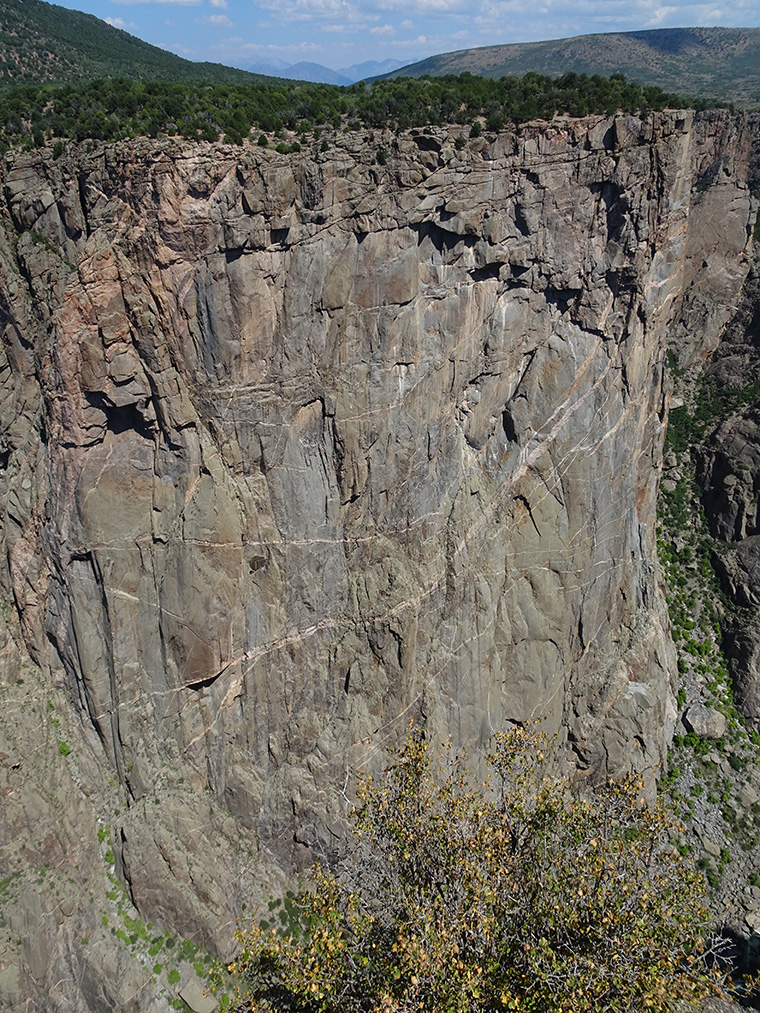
(341, 33)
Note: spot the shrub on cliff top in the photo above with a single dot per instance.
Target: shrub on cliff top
(110, 109)
(519, 894)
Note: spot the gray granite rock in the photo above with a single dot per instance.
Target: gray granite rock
(704, 721)
(303, 448)
(729, 475)
(196, 997)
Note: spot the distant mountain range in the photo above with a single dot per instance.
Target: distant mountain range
(719, 63)
(324, 75)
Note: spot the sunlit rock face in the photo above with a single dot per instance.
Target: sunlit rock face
(300, 448)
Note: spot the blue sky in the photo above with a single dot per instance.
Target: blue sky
(339, 33)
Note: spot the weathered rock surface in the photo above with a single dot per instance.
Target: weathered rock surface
(298, 449)
(704, 721)
(729, 477)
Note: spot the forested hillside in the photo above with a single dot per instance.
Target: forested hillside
(41, 42)
(722, 62)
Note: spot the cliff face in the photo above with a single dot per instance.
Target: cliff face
(728, 474)
(297, 449)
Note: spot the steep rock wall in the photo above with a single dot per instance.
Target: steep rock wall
(297, 449)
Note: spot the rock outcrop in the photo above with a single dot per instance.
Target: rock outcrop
(728, 475)
(299, 448)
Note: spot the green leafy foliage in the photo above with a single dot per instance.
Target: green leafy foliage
(517, 894)
(114, 108)
(686, 427)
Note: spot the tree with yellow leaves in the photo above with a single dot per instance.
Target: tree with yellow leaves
(519, 894)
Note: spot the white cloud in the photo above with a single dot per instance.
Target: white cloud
(353, 27)
(519, 20)
(301, 47)
(173, 3)
(120, 23)
(336, 11)
(305, 10)
(233, 42)
(217, 20)
(176, 48)
(424, 7)
(260, 48)
(382, 30)
(221, 5)
(711, 16)
(659, 15)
